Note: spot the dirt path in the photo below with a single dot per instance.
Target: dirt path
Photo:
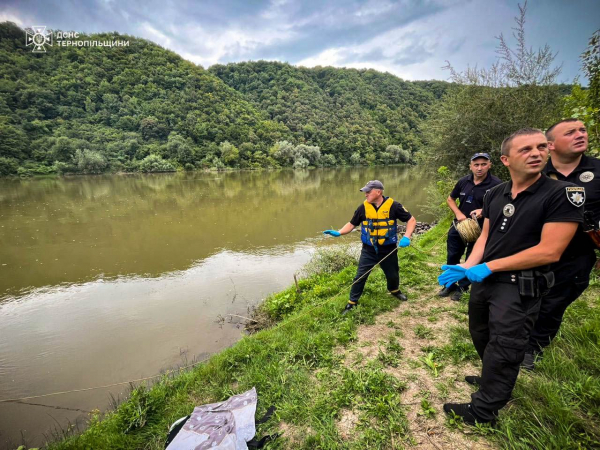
(398, 339)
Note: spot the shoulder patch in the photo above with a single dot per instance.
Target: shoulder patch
(586, 177)
(575, 195)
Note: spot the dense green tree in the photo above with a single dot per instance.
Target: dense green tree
(487, 104)
(13, 142)
(584, 104)
(229, 153)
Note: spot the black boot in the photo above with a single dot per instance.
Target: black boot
(473, 379)
(446, 291)
(463, 410)
(349, 307)
(399, 295)
(529, 361)
(457, 294)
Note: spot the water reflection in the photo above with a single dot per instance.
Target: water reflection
(75, 229)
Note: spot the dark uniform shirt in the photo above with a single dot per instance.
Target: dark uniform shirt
(471, 194)
(397, 211)
(587, 175)
(519, 226)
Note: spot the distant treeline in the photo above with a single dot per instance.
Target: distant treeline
(144, 108)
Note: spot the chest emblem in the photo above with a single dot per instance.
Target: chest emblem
(576, 195)
(586, 177)
(508, 210)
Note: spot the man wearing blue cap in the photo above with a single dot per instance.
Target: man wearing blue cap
(378, 217)
(470, 191)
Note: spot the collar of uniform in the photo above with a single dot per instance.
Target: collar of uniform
(531, 189)
(377, 207)
(487, 179)
(584, 164)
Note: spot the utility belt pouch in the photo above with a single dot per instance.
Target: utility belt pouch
(528, 286)
(545, 281)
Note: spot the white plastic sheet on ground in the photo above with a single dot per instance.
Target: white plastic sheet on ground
(222, 426)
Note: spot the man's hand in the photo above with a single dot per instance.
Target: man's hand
(404, 242)
(476, 213)
(478, 273)
(451, 275)
(460, 217)
(333, 233)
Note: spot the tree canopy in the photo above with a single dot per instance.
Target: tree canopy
(94, 109)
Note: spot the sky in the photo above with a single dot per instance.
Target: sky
(412, 39)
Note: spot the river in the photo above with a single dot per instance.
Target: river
(112, 278)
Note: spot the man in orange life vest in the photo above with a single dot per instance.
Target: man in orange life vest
(378, 217)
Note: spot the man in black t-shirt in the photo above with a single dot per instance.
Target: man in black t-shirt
(528, 223)
(567, 142)
(470, 191)
(378, 217)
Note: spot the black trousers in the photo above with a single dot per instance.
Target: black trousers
(500, 321)
(572, 278)
(456, 248)
(368, 259)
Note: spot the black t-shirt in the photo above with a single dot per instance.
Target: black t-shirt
(471, 194)
(587, 175)
(516, 224)
(397, 211)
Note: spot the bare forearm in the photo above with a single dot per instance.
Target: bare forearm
(554, 241)
(527, 259)
(476, 254)
(410, 227)
(346, 228)
(454, 207)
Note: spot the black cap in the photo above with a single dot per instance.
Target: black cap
(374, 184)
(481, 155)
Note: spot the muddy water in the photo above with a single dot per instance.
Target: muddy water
(112, 278)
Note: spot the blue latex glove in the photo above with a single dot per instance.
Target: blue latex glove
(332, 233)
(404, 242)
(478, 273)
(451, 275)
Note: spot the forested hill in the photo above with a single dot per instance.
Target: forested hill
(141, 107)
(343, 111)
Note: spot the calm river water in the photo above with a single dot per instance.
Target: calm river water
(111, 278)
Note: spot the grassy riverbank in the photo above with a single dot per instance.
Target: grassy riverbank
(376, 378)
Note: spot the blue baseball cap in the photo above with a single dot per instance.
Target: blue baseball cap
(481, 155)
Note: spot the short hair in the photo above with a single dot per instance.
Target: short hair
(505, 147)
(549, 134)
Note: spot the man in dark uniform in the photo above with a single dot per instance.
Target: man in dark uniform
(567, 142)
(528, 223)
(470, 191)
(378, 217)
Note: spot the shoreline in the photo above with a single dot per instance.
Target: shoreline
(374, 379)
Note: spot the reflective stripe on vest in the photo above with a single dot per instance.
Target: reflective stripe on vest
(379, 229)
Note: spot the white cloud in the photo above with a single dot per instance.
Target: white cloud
(419, 49)
(10, 17)
(207, 47)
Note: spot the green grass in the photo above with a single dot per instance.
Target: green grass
(295, 366)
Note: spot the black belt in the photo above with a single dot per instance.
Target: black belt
(505, 277)
(533, 282)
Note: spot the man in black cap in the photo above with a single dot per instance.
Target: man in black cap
(378, 217)
(528, 223)
(470, 190)
(568, 142)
